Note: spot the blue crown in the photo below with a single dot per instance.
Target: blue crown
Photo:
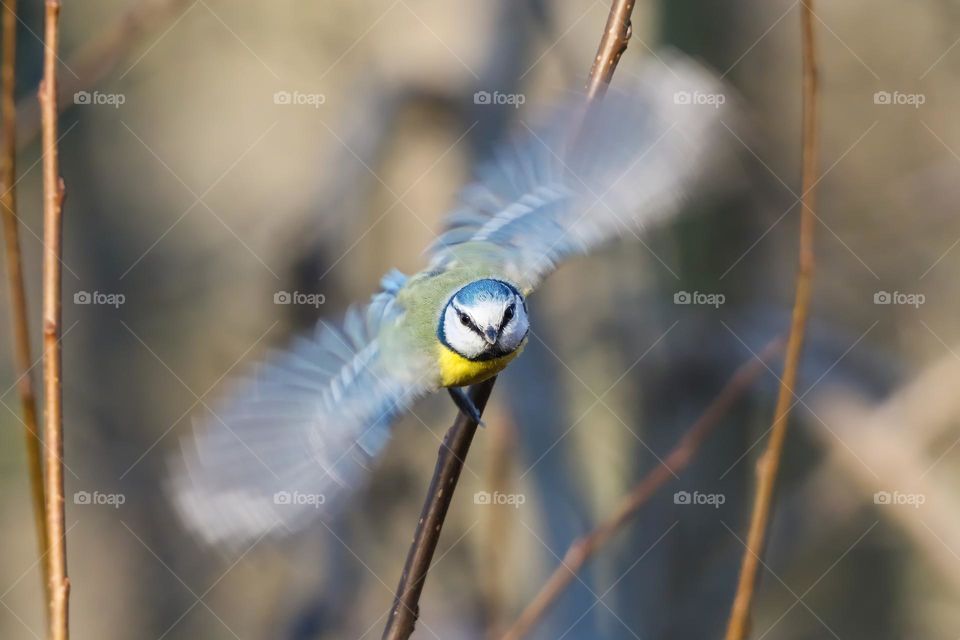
(486, 289)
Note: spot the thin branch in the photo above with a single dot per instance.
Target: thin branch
(616, 35)
(585, 547)
(53, 193)
(769, 463)
(450, 459)
(23, 362)
(100, 56)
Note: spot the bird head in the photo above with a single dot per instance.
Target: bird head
(485, 319)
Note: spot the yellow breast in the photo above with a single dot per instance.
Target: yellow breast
(457, 371)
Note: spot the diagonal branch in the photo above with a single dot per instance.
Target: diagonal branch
(450, 460)
(769, 463)
(53, 193)
(585, 547)
(18, 297)
(616, 36)
(403, 615)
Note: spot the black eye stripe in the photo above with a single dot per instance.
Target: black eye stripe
(469, 321)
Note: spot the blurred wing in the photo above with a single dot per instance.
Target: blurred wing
(638, 154)
(290, 442)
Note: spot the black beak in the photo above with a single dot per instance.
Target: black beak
(490, 335)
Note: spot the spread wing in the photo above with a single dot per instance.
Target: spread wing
(289, 442)
(638, 154)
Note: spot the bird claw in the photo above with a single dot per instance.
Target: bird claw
(465, 404)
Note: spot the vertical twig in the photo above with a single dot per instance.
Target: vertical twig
(19, 322)
(403, 615)
(450, 459)
(53, 193)
(589, 544)
(769, 463)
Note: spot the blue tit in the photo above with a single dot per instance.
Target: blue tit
(288, 443)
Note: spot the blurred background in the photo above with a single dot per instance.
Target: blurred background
(217, 154)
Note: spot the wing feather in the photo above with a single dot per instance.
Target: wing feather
(640, 152)
(289, 442)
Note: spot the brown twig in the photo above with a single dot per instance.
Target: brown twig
(588, 545)
(53, 193)
(450, 460)
(616, 36)
(99, 57)
(403, 615)
(23, 362)
(769, 463)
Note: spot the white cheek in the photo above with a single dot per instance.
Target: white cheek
(514, 332)
(462, 339)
